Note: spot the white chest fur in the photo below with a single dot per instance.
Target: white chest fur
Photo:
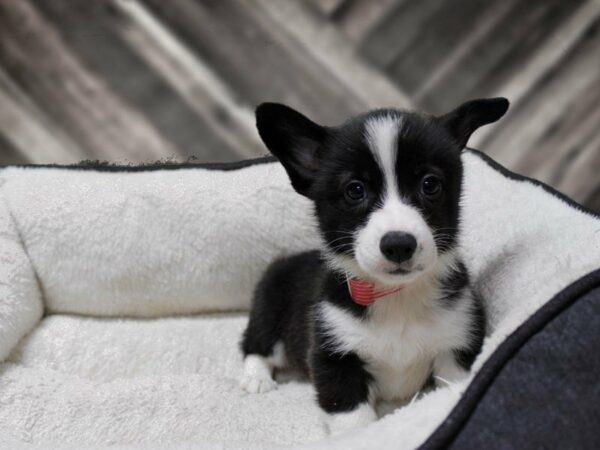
(400, 337)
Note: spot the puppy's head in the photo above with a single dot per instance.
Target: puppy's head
(386, 184)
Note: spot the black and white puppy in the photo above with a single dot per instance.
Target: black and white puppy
(386, 303)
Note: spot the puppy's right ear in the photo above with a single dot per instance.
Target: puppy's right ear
(294, 140)
(469, 116)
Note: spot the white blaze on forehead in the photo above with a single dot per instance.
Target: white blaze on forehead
(394, 214)
(382, 138)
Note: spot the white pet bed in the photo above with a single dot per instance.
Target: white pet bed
(122, 293)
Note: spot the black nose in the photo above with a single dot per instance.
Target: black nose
(397, 246)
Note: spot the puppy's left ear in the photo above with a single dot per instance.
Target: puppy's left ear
(469, 116)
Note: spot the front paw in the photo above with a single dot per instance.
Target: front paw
(257, 377)
(362, 415)
(257, 385)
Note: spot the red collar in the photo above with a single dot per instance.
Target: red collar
(364, 293)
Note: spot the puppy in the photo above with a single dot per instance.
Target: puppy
(385, 304)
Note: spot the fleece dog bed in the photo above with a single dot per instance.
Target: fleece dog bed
(122, 298)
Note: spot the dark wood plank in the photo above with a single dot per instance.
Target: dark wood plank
(28, 133)
(393, 33)
(431, 53)
(92, 30)
(565, 138)
(358, 17)
(580, 179)
(540, 27)
(256, 58)
(335, 53)
(40, 62)
(556, 126)
(497, 54)
(9, 154)
(593, 201)
(329, 7)
(195, 83)
(545, 60)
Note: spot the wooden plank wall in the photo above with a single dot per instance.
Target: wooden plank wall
(142, 80)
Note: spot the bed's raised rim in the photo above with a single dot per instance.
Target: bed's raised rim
(105, 166)
(517, 177)
(456, 420)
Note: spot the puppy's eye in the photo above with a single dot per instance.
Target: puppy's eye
(431, 186)
(355, 191)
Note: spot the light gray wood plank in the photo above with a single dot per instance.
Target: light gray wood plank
(453, 42)
(28, 137)
(9, 154)
(360, 16)
(593, 201)
(394, 33)
(497, 54)
(432, 54)
(565, 138)
(28, 134)
(581, 180)
(328, 7)
(94, 31)
(523, 81)
(553, 99)
(40, 62)
(195, 83)
(371, 87)
(556, 126)
(253, 55)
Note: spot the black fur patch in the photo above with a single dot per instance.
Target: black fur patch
(341, 380)
(455, 283)
(282, 308)
(466, 356)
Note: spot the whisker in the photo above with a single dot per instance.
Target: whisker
(338, 239)
(342, 247)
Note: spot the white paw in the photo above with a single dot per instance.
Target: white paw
(257, 377)
(255, 385)
(339, 423)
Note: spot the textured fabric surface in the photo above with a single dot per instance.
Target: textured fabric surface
(547, 396)
(90, 381)
(20, 298)
(158, 242)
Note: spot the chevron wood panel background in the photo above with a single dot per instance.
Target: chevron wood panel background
(143, 80)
